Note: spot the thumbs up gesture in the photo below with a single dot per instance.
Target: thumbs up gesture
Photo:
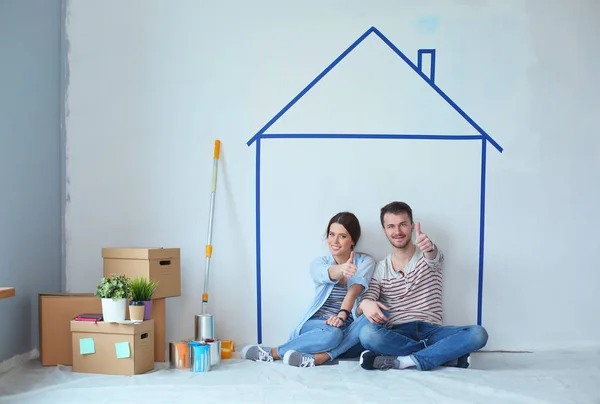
(424, 243)
(348, 269)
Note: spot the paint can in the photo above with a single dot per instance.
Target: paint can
(215, 351)
(204, 326)
(199, 357)
(179, 355)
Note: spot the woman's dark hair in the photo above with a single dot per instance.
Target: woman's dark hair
(349, 221)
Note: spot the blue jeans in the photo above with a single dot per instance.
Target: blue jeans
(315, 336)
(349, 346)
(428, 345)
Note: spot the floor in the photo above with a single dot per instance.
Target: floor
(545, 377)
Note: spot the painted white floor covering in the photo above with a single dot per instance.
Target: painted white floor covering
(545, 377)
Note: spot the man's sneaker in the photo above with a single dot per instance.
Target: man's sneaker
(257, 353)
(370, 360)
(463, 362)
(297, 359)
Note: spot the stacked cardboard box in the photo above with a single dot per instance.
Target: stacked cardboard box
(112, 348)
(56, 311)
(160, 264)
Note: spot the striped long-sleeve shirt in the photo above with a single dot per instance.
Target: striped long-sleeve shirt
(413, 294)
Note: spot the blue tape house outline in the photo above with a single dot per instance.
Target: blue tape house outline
(483, 136)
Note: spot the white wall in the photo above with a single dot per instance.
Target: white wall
(153, 83)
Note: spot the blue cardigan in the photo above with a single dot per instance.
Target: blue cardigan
(319, 270)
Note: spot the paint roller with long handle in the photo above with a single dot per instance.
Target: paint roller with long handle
(210, 224)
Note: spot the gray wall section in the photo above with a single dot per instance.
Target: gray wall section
(31, 170)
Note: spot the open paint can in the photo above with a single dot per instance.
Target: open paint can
(179, 355)
(199, 356)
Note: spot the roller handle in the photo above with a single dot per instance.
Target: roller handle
(217, 148)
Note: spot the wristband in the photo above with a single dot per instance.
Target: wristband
(348, 314)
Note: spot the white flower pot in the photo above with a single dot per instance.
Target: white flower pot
(114, 311)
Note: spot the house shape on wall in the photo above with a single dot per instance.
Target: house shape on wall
(429, 78)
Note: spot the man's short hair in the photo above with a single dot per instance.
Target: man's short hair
(396, 208)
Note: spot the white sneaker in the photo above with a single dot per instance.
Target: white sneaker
(257, 353)
(297, 359)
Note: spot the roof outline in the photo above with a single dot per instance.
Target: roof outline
(415, 68)
(483, 136)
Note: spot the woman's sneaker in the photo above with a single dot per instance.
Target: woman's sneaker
(297, 359)
(257, 353)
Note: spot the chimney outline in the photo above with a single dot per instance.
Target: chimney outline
(420, 53)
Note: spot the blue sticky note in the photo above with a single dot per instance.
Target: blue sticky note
(86, 346)
(122, 350)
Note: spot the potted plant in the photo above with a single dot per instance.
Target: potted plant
(114, 292)
(141, 295)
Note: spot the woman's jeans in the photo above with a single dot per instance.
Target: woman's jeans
(315, 336)
(350, 346)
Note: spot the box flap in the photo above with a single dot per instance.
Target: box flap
(149, 253)
(65, 294)
(112, 328)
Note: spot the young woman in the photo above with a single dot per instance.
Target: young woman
(340, 278)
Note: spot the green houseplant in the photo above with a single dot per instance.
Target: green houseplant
(141, 295)
(114, 292)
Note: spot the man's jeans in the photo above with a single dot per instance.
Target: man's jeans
(428, 345)
(315, 336)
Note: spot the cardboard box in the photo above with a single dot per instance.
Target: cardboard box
(159, 315)
(56, 310)
(160, 264)
(112, 348)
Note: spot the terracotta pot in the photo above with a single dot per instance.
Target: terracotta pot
(136, 311)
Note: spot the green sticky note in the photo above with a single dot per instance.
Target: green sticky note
(122, 350)
(86, 346)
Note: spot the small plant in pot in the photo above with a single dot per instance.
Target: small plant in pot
(114, 292)
(141, 296)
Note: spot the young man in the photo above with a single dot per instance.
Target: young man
(407, 285)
